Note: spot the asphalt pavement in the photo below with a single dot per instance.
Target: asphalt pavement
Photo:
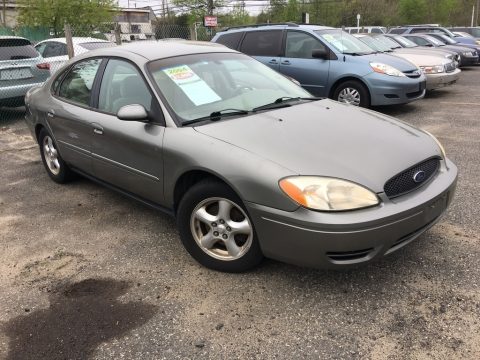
(88, 274)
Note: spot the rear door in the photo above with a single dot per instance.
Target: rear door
(70, 114)
(264, 45)
(299, 64)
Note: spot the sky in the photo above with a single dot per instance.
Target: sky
(252, 6)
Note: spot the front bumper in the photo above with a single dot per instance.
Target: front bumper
(436, 81)
(468, 60)
(334, 240)
(390, 90)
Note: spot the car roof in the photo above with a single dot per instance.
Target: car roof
(75, 40)
(6, 37)
(159, 49)
(292, 26)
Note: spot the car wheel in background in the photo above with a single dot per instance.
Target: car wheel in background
(352, 92)
(53, 162)
(216, 230)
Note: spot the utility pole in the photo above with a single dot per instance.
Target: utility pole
(476, 17)
(210, 7)
(4, 13)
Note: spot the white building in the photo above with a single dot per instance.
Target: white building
(135, 24)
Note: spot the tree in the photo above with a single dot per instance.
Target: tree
(83, 16)
(197, 8)
(413, 11)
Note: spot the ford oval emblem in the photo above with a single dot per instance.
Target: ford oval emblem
(419, 176)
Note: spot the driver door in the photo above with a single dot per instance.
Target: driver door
(128, 154)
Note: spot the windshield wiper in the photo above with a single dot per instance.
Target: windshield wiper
(284, 102)
(217, 115)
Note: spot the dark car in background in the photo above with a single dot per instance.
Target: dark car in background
(467, 57)
(418, 29)
(329, 62)
(474, 31)
(21, 67)
(449, 41)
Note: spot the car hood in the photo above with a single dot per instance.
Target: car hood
(327, 138)
(425, 51)
(400, 64)
(423, 60)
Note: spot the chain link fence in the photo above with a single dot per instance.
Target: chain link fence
(29, 56)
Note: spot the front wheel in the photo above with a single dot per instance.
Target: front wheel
(216, 230)
(352, 92)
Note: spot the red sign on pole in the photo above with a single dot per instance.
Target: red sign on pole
(210, 21)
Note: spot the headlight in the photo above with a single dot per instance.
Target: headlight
(386, 69)
(433, 69)
(327, 194)
(467, 53)
(442, 149)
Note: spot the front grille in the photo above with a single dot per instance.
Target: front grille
(349, 255)
(450, 67)
(404, 182)
(412, 74)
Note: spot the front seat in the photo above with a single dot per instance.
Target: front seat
(132, 91)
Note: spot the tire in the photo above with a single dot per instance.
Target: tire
(216, 229)
(56, 168)
(352, 92)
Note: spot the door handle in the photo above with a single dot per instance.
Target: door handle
(273, 61)
(285, 62)
(97, 129)
(51, 114)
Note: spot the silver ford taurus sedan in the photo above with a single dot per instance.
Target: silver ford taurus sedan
(249, 163)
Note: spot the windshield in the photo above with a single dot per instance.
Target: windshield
(405, 42)
(387, 42)
(447, 40)
(434, 40)
(374, 43)
(344, 42)
(196, 86)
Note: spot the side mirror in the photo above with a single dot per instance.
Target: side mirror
(320, 54)
(135, 112)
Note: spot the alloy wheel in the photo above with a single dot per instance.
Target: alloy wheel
(51, 155)
(350, 96)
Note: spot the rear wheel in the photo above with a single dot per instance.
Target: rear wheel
(56, 168)
(216, 230)
(352, 92)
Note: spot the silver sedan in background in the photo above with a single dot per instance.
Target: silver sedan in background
(249, 163)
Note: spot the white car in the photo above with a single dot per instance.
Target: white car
(55, 50)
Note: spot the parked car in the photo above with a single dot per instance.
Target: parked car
(473, 31)
(410, 45)
(440, 72)
(418, 29)
(249, 163)
(21, 67)
(475, 49)
(366, 29)
(467, 56)
(329, 62)
(55, 50)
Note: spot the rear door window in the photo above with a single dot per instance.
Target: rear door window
(262, 43)
(16, 49)
(77, 84)
(230, 40)
(55, 49)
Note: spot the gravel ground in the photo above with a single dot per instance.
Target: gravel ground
(86, 273)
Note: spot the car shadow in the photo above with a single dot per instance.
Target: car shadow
(80, 317)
